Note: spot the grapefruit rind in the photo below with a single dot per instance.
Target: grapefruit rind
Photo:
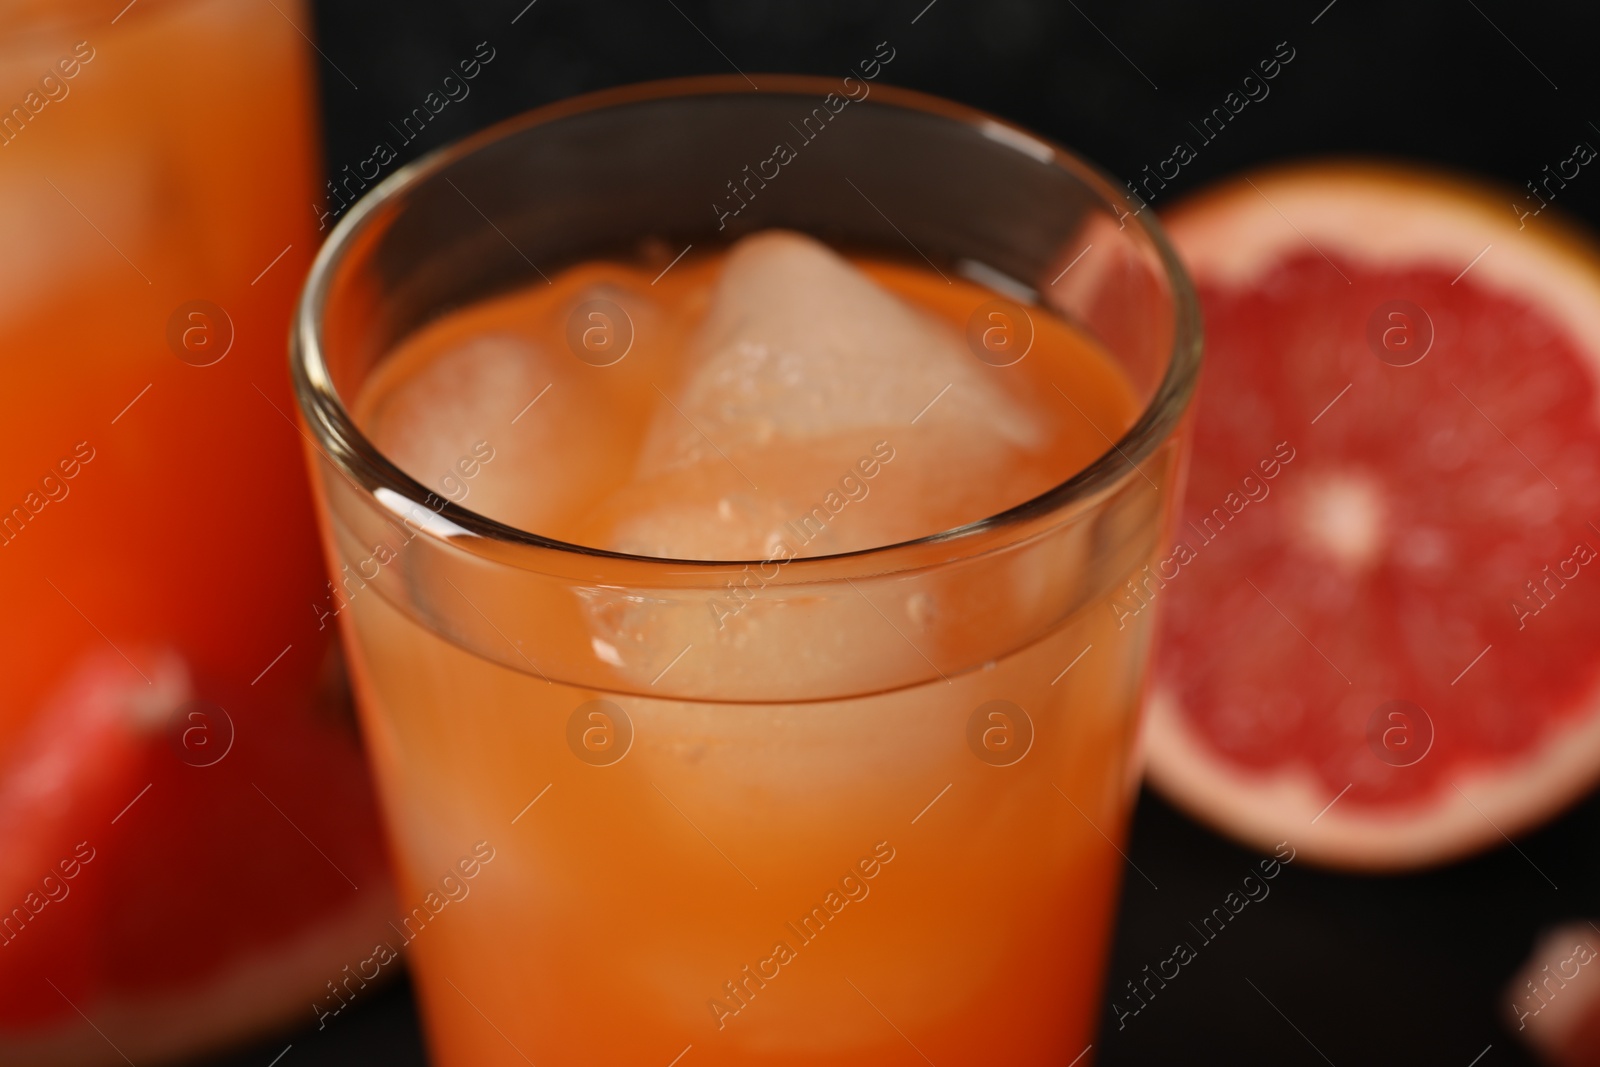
(1388, 216)
(1265, 810)
(244, 1002)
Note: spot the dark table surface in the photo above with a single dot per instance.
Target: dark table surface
(1329, 968)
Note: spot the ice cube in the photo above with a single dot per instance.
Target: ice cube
(819, 413)
(500, 425)
(798, 344)
(427, 420)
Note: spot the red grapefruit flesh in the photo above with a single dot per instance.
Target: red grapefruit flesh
(1553, 1001)
(1381, 641)
(159, 897)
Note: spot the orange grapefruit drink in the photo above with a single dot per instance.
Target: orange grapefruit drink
(732, 624)
(164, 673)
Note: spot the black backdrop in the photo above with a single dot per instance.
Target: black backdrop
(1370, 971)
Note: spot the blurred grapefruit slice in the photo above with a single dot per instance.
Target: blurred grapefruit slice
(1553, 1001)
(1382, 621)
(165, 891)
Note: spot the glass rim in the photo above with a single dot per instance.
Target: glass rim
(358, 459)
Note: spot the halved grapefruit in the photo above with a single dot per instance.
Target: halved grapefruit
(174, 875)
(1381, 632)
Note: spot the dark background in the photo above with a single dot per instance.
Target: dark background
(1405, 970)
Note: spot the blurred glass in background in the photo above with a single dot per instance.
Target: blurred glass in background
(188, 848)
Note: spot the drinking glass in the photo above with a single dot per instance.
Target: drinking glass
(158, 552)
(898, 845)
